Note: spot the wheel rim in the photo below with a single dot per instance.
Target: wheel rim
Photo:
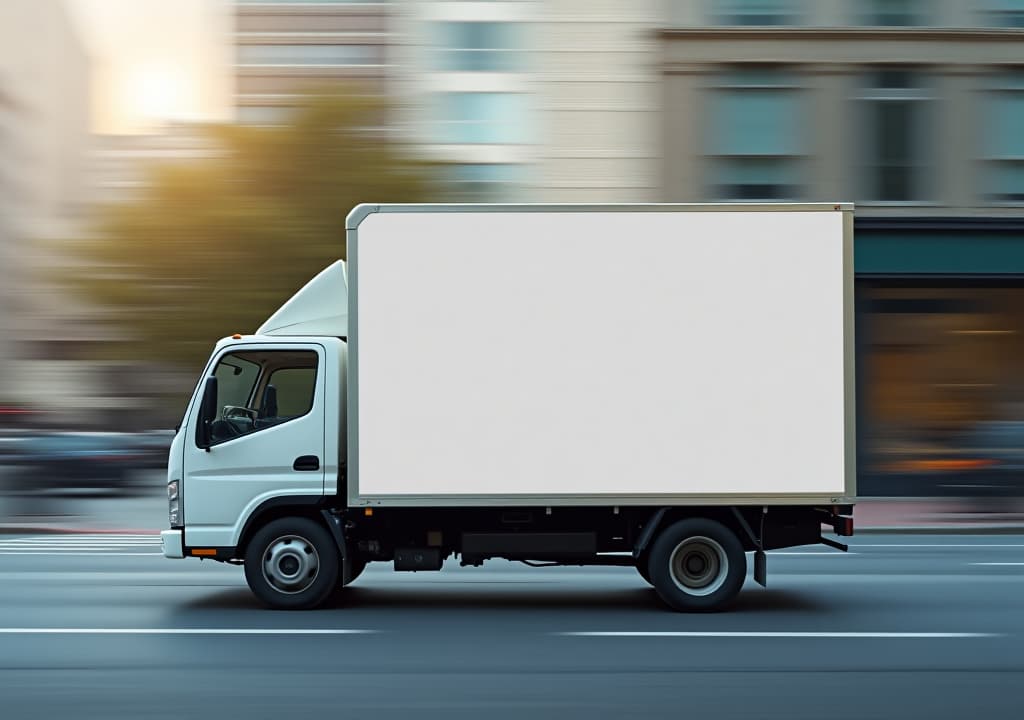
(699, 566)
(291, 564)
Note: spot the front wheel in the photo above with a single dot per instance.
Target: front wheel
(697, 565)
(292, 564)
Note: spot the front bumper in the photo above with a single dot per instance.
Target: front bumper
(172, 543)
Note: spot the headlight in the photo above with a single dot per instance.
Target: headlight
(173, 504)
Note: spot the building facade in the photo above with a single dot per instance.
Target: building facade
(914, 111)
(44, 132)
(532, 100)
(285, 47)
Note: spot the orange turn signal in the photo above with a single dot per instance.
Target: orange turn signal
(208, 552)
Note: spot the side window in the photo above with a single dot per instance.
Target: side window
(257, 390)
(295, 387)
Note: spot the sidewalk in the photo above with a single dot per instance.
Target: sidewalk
(917, 515)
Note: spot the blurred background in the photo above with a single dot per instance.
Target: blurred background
(172, 170)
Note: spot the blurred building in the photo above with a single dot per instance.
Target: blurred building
(913, 109)
(283, 47)
(120, 166)
(44, 126)
(538, 100)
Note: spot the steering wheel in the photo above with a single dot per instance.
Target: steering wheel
(237, 411)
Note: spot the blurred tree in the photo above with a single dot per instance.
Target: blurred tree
(213, 247)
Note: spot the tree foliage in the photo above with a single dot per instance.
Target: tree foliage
(214, 246)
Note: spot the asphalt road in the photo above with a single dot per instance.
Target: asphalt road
(902, 627)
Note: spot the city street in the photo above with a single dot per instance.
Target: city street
(102, 626)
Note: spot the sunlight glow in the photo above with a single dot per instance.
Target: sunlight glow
(157, 93)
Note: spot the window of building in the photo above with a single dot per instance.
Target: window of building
(307, 55)
(756, 126)
(262, 114)
(755, 12)
(896, 136)
(482, 118)
(1004, 140)
(890, 12)
(305, 2)
(1006, 13)
(484, 182)
(479, 46)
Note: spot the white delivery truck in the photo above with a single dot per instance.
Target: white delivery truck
(666, 387)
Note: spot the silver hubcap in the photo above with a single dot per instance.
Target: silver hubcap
(291, 564)
(699, 566)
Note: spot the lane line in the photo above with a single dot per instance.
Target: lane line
(94, 546)
(183, 631)
(79, 547)
(84, 538)
(833, 553)
(70, 553)
(756, 634)
(1000, 564)
(935, 545)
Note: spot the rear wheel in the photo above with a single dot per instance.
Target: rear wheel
(292, 564)
(697, 565)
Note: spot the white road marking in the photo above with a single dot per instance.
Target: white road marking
(82, 554)
(183, 631)
(756, 634)
(834, 553)
(1000, 564)
(935, 545)
(81, 545)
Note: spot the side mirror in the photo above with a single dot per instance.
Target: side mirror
(207, 412)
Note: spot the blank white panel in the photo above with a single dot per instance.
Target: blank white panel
(603, 353)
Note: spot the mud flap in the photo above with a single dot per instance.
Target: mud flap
(761, 568)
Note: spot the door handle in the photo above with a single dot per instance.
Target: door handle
(306, 462)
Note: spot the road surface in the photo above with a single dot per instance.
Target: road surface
(902, 627)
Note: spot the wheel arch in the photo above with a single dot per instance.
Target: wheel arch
(306, 506)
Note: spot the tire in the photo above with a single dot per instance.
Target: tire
(292, 564)
(697, 565)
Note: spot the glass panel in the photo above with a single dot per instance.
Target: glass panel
(1005, 138)
(896, 136)
(890, 12)
(756, 122)
(493, 118)
(1006, 181)
(479, 46)
(941, 390)
(236, 378)
(242, 375)
(307, 54)
(295, 390)
(1006, 13)
(755, 12)
(307, 2)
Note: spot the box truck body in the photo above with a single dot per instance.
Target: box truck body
(570, 384)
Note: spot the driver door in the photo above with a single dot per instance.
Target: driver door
(267, 439)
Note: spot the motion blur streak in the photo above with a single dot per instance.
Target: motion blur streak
(918, 631)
